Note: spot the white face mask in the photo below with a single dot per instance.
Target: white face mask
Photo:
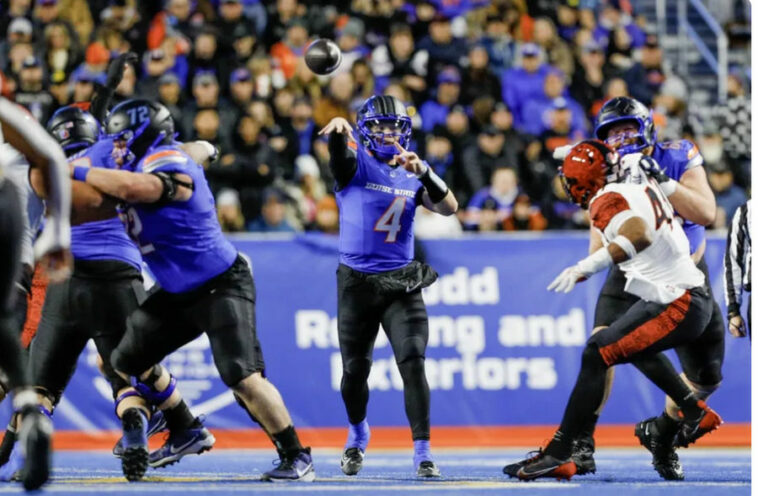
(712, 152)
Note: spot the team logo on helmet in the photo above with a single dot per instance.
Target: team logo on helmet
(588, 167)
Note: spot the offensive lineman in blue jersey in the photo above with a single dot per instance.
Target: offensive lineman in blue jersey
(205, 285)
(379, 185)
(626, 125)
(94, 303)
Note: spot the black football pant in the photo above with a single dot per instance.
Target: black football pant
(638, 336)
(11, 232)
(403, 316)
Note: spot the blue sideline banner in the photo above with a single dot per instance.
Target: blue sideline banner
(502, 349)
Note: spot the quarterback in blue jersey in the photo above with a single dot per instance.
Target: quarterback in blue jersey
(94, 304)
(627, 126)
(378, 186)
(204, 285)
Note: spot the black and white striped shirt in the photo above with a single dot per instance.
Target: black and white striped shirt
(737, 260)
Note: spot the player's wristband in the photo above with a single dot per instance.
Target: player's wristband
(435, 186)
(668, 187)
(80, 173)
(595, 262)
(626, 245)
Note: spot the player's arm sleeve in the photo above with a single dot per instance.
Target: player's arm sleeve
(342, 160)
(608, 213)
(735, 252)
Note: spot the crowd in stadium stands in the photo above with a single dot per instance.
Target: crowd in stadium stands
(493, 86)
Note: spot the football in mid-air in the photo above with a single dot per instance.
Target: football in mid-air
(323, 56)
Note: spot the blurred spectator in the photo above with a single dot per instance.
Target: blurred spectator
(557, 51)
(560, 130)
(503, 190)
(433, 112)
(47, 12)
(645, 77)
(170, 94)
(60, 54)
(84, 86)
(568, 21)
(728, 195)
(156, 65)
(205, 54)
(285, 144)
(77, 13)
(246, 45)
(670, 106)
(587, 86)
(272, 218)
(286, 53)
(443, 48)
(537, 111)
(206, 126)
(60, 89)
(479, 79)
(350, 42)
(303, 125)
(363, 79)
(31, 92)
(336, 102)
(611, 18)
(524, 216)
(307, 190)
(399, 59)
(439, 154)
(524, 83)
(19, 32)
(280, 14)
(498, 42)
(284, 100)
(231, 14)
(490, 153)
(205, 90)
(229, 211)
(327, 215)
(489, 217)
(174, 20)
(241, 87)
(12, 10)
(502, 119)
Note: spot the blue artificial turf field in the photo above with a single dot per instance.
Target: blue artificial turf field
(478, 472)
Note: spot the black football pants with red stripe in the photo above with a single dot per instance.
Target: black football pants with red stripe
(639, 335)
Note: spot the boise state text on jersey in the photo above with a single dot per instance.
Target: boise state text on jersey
(103, 239)
(181, 241)
(675, 158)
(376, 215)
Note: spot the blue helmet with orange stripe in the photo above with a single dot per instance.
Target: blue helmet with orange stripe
(137, 126)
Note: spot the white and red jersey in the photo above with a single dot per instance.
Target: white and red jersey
(664, 270)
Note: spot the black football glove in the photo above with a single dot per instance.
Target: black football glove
(116, 69)
(653, 169)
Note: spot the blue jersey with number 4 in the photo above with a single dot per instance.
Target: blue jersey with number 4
(103, 239)
(676, 158)
(376, 215)
(181, 241)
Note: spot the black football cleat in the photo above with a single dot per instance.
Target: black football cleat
(541, 465)
(583, 455)
(665, 459)
(352, 461)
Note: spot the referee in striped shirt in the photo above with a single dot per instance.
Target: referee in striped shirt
(737, 261)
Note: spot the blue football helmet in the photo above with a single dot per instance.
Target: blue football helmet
(381, 117)
(73, 128)
(143, 125)
(624, 109)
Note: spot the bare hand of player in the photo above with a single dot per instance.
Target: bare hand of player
(566, 280)
(338, 125)
(409, 160)
(737, 327)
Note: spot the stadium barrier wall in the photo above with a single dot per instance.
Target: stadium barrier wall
(503, 352)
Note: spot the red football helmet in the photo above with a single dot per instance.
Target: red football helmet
(586, 170)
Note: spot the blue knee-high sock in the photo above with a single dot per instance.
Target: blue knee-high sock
(422, 452)
(358, 436)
